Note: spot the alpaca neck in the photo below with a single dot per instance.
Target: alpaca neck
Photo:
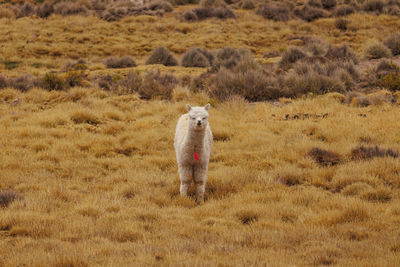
(195, 139)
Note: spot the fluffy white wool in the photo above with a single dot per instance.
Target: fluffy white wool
(193, 135)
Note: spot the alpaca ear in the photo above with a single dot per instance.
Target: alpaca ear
(207, 107)
(188, 107)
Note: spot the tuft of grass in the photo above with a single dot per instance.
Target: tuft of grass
(341, 24)
(24, 82)
(377, 50)
(364, 153)
(247, 217)
(324, 157)
(85, 116)
(393, 43)
(373, 6)
(65, 8)
(162, 55)
(157, 85)
(52, 81)
(122, 62)
(7, 197)
(341, 53)
(344, 10)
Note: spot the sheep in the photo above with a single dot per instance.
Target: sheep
(193, 141)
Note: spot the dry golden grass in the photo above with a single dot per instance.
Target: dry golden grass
(99, 183)
(41, 45)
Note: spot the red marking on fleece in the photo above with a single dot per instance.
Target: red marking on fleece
(196, 156)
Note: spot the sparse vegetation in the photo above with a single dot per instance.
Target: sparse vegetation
(377, 50)
(304, 168)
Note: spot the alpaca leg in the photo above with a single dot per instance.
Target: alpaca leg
(186, 174)
(200, 183)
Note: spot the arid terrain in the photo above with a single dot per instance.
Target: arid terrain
(304, 169)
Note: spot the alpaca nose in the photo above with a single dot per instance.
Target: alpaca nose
(198, 123)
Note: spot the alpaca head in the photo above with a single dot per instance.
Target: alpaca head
(198, 117)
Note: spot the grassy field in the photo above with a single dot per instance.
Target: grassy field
(88, 177)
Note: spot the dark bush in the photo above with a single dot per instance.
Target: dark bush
(183, 2)
(328, 4)
(274, 10)
(8, 196)
(114, 13)
(161, 55)
(45, 10)
(52, 81)
(209, 12)
(291, 55)
(324, 157)
(373, 6)
(160, 5)
(393, 43)
(189, 16)
(229, 58)
(385, 67)
(341, 24)
(362, 152)
(74, 78)
(157, 85)
(344, 10)
(131, 83)
(247, 4)
(252, 84)
(3, 82)
(223, 13)
(212, 3)
(377, 50)
(309, 13)
(24, 82)
(343, 53)
(25, 10)
(197, 57)
(122, 62)
(312, 82)
(105, 82)
(69, 8)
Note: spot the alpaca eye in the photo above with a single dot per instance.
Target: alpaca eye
(204, 118)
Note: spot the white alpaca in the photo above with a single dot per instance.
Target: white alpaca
(193, 140)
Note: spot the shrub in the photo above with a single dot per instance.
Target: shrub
(122, 62)
(24, 82)
(74, 78)
(80, 64)
(312, 82)
(223, 13)
(362, 153)
(8, 196)
(391, 81)
(342, 53)
(69, 8)
(385, 67)
(209, 12)
(44, 10)
(344, 10)
(247, 4)
(105, 82)
(161, 55)
(212, 3)
(189, 16)
(197, 57)
(51, 81)
(160, 5)
(377, 50)
(328, 4)
(373, 6)
(324, 157)
(309, 13)
(291, 55)
(131, 83)
(341, 24)
(274, 10)
(183, 2)
(156, 85)
(229, 58)
(252, 84)
(3, 82)
(393, 43)
(25, 10)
